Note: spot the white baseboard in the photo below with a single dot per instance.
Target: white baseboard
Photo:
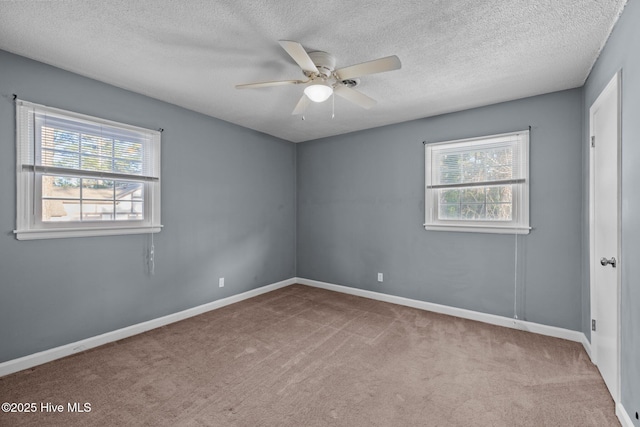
(493, 319)
(36, 359)
(623, 416)
(39, 358)
(587, 346)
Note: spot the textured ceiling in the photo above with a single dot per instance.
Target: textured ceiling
(456, 54)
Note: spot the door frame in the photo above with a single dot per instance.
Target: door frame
(614, 85)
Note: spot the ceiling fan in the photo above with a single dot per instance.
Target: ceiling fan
(323, 79)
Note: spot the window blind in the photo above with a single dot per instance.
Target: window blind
(478, 163)
(91, 148)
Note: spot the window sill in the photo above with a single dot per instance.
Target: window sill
(478, 228)
(61, 233)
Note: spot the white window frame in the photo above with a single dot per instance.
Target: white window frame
(29, 224)
(520, 188)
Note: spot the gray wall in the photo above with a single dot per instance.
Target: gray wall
(621, 52)
(361, 210)
(228, 207)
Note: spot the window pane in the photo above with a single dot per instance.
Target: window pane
(450, 168)
(63, 159)
(59, 139)
(60, 210)
(97, 189)
(499, 163)
(473, 195)
(450, 196)
(499, 211)
(449, 212)
(128, 150)
(138, 194)
(97, 145)
(473, 167)
(129, 211)
(103, 164)
(128, 190)
(500, 193)
(129, 205)
(472, 211)
(127, 166)
(60, 187)
(97, 210)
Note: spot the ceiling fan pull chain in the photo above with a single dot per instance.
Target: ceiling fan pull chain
(333, 105)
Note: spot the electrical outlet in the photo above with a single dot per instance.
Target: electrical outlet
(221, 282)
(380, 278)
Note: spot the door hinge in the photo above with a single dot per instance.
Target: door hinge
(593, 325)
(593, 141)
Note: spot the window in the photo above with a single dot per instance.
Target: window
(84, 176)
(478, 184)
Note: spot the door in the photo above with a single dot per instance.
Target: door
(604, 123)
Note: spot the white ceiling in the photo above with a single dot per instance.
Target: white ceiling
(456, 54)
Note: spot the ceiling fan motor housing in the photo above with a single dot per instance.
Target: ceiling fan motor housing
(351, 83)
(324, 62)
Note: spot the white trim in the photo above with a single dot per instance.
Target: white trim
(492, 319)
(57, 233)
(477, 228)
(623, 416)
(36, 359)
(478, 140)
(83, 117)
(42, 357)
(587, 346)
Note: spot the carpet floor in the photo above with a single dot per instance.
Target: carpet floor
(302, 356)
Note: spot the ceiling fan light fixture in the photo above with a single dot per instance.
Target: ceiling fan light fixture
(318, 92)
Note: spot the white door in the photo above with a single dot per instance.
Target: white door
(604, 117)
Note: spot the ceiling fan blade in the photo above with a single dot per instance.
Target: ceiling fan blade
(297, 52)
(268, 84)
(301, 106)
(381, 65)
(355, 96)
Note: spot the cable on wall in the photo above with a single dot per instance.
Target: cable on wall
(152, 257)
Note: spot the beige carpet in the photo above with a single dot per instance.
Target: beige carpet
(301, 356)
